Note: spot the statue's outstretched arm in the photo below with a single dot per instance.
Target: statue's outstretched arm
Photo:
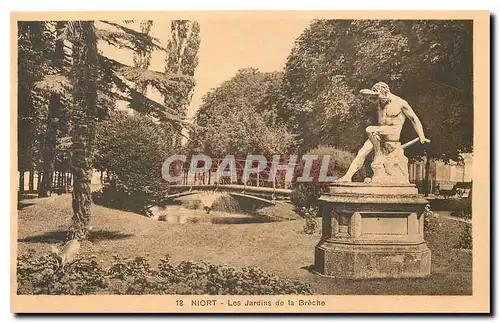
(417, 125)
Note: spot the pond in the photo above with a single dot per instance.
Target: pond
(224, 209)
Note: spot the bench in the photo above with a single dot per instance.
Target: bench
(460, 189)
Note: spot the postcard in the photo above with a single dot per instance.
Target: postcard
(250, 162)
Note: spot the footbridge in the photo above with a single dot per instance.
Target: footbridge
(264, 194)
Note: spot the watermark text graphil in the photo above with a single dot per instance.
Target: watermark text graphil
(227, 167)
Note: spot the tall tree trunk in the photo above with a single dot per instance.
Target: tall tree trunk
(49, 147)
(83, 120)
(53, 122)
(21, 181)
(427, 176)
(38, 178)
(59, 180)
(31, 183)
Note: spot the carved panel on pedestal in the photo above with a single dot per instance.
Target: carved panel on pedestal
(384, 224)
(343, 224)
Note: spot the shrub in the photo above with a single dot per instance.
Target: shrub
(461, 207)
(465, 239)
(431, 222)
(310, 214)
(465, 208)
(131, 149)
(42, 275)
(304, 197)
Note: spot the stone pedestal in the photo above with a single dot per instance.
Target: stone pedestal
(372, 231)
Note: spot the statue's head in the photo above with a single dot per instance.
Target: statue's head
(378, 91)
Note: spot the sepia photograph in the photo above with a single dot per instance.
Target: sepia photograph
(250, 161)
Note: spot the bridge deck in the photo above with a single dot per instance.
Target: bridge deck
(238, 190)
(283, 191)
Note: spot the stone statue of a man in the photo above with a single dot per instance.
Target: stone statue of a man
(389, 163)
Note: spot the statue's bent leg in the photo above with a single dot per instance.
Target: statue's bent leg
(374, 133)
(382, 164)
(358, 162)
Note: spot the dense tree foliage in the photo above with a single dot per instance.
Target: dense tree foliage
(142, 59)
(237, 119)
(32, 62)
(181, 59)
(131, 150)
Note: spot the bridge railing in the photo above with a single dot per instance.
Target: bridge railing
(209, 177)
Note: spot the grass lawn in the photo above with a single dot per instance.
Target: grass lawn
(276, 247)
